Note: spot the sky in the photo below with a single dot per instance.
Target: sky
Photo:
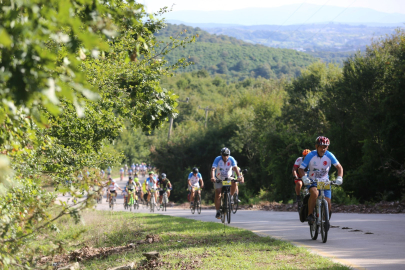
(389, 6)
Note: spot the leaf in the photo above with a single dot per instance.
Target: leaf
(5, 38)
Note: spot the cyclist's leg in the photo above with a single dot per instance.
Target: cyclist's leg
(312, 199)
(192, 195)
(298, 186)
(148, 195)
(160, 196)
(168, 194)
(328, 198)
(218, 190)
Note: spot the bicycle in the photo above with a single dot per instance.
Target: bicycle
(225, 207)
(165, 199)
(111, 201)
(152, 202)
(321, 211)
(197, 201)
(131, 201)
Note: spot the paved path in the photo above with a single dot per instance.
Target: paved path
(374, 241)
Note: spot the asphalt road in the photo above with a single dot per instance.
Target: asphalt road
(371, 241)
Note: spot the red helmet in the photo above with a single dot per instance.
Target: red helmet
(321, 140)
(306, 152)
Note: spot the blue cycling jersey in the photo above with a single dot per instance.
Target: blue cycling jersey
(318, 167)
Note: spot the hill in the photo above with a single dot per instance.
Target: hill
(234, 58)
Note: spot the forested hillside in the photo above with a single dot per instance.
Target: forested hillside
(267, 124)
(233, 58)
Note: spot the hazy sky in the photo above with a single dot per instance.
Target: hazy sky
(390, 6)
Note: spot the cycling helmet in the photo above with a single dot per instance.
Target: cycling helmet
(130, 178)
(112, 180)
(195, 170)
(163, 175)
(150, 173)
(225, 151)
(306, 152)
(321, 140)
(136, 180)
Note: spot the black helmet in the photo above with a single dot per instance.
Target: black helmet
(195, 170)
(163, 175)
(130, 178)
(225, 151)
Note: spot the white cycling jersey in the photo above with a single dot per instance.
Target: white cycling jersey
(318, 167)
(194, 180)
(112, 186)
(152, 184)
(224, 169)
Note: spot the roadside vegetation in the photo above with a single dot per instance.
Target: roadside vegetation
(104, 240)
(267, 124)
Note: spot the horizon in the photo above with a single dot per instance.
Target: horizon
(389, 6)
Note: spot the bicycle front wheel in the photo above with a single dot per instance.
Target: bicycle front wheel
(324, 222)
(199, 204)
(223, 208)
(314, 229)
(228, 208)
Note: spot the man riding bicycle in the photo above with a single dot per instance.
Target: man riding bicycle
(319, 162)
(111, 189)
(164, 184)
(297, 179)
(130, 189)
(222, 168)
(194, 180)
(150, 184)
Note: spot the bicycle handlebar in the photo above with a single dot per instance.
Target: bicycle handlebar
(327, 182)
(227, 179)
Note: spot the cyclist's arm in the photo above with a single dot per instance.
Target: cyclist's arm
(339, 170)
(301, 172)
(189, 182)
(202, 182)
(235, 169)
(213, 173)
(294, 172)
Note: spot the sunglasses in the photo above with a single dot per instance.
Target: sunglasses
(225, 155)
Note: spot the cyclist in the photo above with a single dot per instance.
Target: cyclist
(125, 170)
(102, 173)
(136, 168)
(122, 174)
(111, 188)
(194, 180)
(150, 184)
(297, 179)
(237, 183)
(222, 168)
(319, 162)
(130, 188)
(130, 172)
(109, 170)
(133, 167)
(164, 184)
(138, 186)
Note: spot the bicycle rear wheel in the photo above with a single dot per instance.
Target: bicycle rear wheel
(324, 222)
(228, 209)
(235, 203)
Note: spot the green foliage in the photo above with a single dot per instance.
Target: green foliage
(233, 58)
(73, 73)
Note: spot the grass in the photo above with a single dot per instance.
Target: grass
(184, 244)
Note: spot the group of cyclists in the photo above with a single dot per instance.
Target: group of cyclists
(135, 169)
(312, 165)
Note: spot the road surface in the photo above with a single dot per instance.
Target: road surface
(362, 241)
